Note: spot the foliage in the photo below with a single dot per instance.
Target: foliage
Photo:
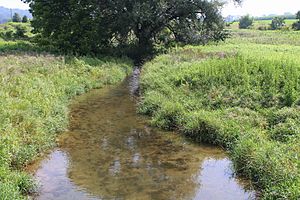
(298, 15)
(15, 31)
(296, 25)
(20, 32)
(277, 23)
(245, 22)
(242, 95)
(262, 24)
(35, 93)
(24, 19)
(16, 18)
(89, 27)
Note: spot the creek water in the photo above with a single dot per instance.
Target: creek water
(110, 152)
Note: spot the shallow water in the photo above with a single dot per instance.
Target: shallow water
(110, 152)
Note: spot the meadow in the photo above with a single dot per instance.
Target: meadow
(34, 97)
(243, 95)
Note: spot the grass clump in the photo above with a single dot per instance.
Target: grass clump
(34, 96)
(242, 96)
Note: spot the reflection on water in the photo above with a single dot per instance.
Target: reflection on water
(110, 153)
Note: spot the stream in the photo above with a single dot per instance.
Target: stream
(110, 152)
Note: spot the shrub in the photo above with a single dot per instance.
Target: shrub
(277, 23)
(245, 22)
(296, 26)
(20, 32)
(24, 19)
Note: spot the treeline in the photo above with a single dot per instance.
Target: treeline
(17, 18)
(277, 23)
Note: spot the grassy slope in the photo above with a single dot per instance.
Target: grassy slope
(242, 95)
(34, 96)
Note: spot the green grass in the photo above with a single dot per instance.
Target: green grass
(243, 95)
(34, 97)
(266, 37)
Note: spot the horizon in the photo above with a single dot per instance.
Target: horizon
(266, 7)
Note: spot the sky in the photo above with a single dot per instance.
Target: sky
(252, 7)
(262, 7)
(13, 4)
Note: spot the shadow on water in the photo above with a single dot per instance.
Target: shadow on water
(109, 152)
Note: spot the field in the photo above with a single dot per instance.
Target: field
(34, 96)
(263, 23)
(281, 38)
(242, 95)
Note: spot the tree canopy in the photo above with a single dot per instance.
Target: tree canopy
(16, 18)
(92, 26)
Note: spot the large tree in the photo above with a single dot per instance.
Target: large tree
(93, 25)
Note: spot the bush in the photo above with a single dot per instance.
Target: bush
(20, 32)
(277, 23)
(24, 19)
(296, 26)
(245, 22)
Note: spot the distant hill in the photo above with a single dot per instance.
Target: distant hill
(5, 14)
(231, 18)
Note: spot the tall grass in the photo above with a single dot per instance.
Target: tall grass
(270, 37)
(34, 96)
(242, 96)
